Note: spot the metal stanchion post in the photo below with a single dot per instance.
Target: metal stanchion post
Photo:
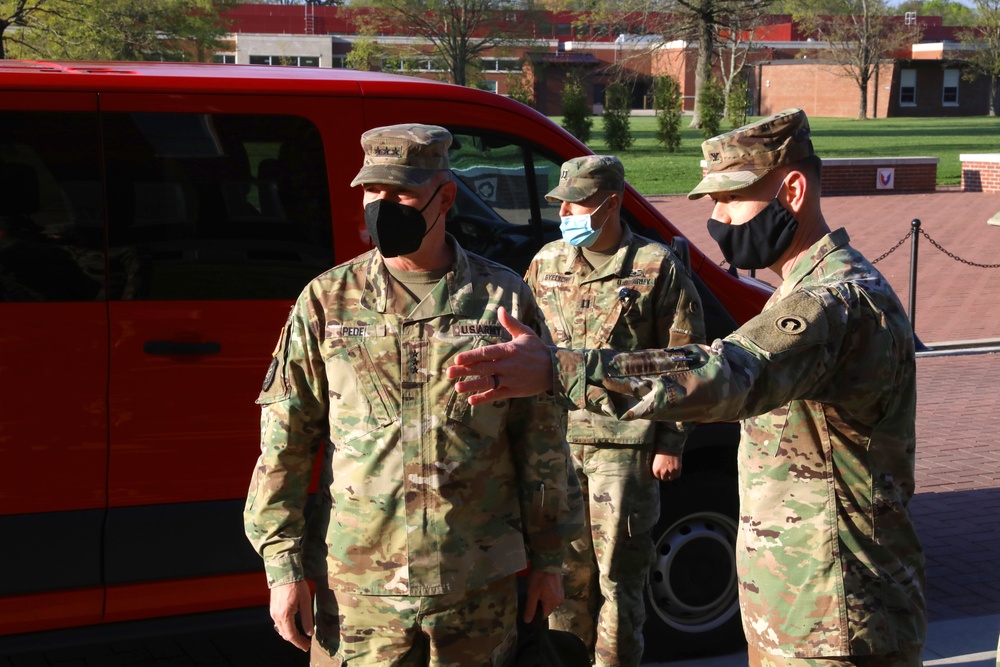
(915, 227)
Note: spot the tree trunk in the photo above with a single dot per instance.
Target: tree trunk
(863, 89)
(993, 96)
(703, 70)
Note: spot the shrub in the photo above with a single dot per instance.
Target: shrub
(711, 105)
(577, 118)
(667, 102)
(617, 116)
(518, 89)
(738, 102)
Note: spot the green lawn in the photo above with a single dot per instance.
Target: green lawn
(652, 171)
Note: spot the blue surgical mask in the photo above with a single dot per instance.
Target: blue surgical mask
(579, 229)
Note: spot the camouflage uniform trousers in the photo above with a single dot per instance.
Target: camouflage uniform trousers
(605, 570)
(757, 658)
(474, 627)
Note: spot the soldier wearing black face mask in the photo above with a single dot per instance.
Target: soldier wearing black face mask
(824, 382)
(427, 508)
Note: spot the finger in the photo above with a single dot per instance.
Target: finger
(478, 356)
(473, 369)
(478, 385)
(512, 324)
(306, 614)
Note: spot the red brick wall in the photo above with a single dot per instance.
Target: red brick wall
(980, 173)
(859, 176)
(821, 89)
(860, 179)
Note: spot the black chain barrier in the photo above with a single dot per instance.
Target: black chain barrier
(936, 245)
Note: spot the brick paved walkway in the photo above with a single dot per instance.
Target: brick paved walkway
(957, 506)
(955, 301)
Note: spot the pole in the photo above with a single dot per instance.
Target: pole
(915, 230)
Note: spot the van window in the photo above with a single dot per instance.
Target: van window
(215, 206)
(51, 236)
(501, 212)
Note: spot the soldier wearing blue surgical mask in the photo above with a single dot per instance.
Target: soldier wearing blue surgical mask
(602, 286)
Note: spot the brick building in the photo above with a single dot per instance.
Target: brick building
(785, 67)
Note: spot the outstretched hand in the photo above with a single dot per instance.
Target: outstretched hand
(521, 367)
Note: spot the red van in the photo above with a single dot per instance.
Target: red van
(157, 221)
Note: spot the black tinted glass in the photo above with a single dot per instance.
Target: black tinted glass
(51, 236)
(216, 206)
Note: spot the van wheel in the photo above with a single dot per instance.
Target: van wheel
(691, 589)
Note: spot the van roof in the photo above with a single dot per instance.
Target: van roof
(212, 77)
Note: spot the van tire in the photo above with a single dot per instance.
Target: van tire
(691, 589)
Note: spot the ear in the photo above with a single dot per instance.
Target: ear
(797, 190)
(449, 191)
(615, 202)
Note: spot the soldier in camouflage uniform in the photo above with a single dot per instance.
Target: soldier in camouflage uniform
(831, 571)
(604, 287)
(426, 505)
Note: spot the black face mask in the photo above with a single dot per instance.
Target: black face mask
(758, 243)
(397, 229)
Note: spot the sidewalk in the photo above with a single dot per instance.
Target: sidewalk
(955, 301)
(970, 642)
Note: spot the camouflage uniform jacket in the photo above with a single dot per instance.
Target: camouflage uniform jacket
(419, 493)
(641, 298)
(824, 380)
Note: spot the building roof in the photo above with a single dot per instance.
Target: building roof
(564, 58)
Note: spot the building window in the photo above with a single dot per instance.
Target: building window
(908, 88)
(564, 30)
(412, 64)
(488, 86)
(501, 64)
(949, 92)
(224, 58)
(338, 62)
(297, 61)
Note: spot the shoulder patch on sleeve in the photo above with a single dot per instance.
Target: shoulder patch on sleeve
(796, 321)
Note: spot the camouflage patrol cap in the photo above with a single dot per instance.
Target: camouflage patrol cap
(742, 157)
(581, 177)
(407, 154)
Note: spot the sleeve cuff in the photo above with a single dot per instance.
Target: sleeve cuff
(284, 569)
(569, 378)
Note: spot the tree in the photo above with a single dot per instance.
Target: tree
(698, 21)
(735, 45)
(519, 88)
(20, 18)
(460, 30)
(707, 18)
(738, 100)
(173, 30)
(577, 119)
(984, 59)
(950, 11)
(366, 52)
(860, 37)
(667, 102)
(319, 3)
(711, 104)
(617, 116)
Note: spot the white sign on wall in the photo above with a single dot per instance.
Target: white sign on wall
(885, 179)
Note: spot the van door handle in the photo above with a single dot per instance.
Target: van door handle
(170, 347)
